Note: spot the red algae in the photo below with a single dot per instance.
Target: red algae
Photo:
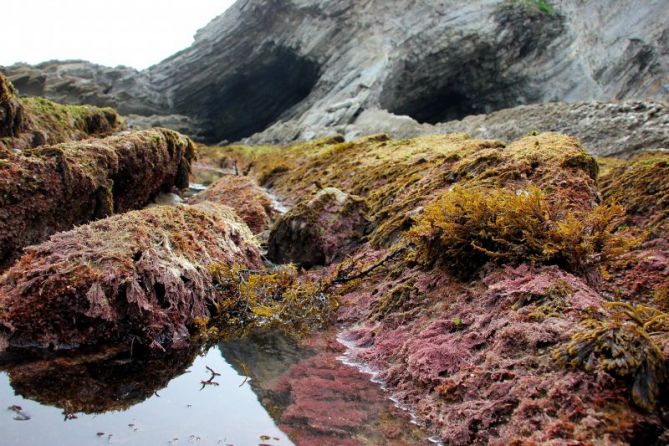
(242, 194)
(54, 188)
(473, 355)
(138, 278)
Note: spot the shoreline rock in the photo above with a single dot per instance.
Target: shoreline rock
(136, 278)
(54, 188)
(250, 201)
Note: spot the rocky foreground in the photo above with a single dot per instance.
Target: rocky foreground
(508, 293)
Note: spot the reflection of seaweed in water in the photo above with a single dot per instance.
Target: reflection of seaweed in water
(315, 398)
(110, 379)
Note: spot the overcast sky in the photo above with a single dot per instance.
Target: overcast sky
(137, 33)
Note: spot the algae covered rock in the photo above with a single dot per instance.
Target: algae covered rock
(12, 119)
(53, 188)
(141, 277)
(398, 178)
(31, 122)
(241, 193)
(641, 186)
(319, 230)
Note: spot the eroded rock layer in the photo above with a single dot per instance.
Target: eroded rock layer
(137, 278)
(53, 188)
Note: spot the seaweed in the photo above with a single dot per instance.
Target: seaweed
(54, 188)
(640, 185)
(33, 121)
(275, 299)
(242, 194)
(139, 278)
(467, 227)
(627, 344)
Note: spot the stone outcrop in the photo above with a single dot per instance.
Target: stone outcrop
(136, 278)
(79, 82)
(293, 69)
(35, 121)
(482, 293)
(54, 188)
(320, 229)
(250, 202)
(607, 129)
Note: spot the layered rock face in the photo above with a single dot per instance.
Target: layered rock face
(299, 68)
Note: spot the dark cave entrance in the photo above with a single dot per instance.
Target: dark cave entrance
(440, 106)
(474, 73)
(257, 94)
(451, 84)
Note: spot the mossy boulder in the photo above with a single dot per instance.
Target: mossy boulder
(139, 278)
(53, 188)
(12, 118)
(31, 122)
(242, 194)
(319, 230)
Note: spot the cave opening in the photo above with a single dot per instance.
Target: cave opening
(450, 85)
(257, 94)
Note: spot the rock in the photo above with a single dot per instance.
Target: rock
(54, 188)
(242, 194)
(397, 178)
(319, 230)
(305, 68)
(12, 117)
(31, 122)
(618, 129)
(79, 82)
(475, 357)
(641, 187)
(180, 123)
(137, 278)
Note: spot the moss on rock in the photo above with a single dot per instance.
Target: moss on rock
(141, 277)
(641, 186)
(31, 122)
(319, 230)
(398, 177)
(53, 188)
(242, 194)
(12, 117)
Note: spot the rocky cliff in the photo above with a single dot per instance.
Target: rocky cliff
(299, 68)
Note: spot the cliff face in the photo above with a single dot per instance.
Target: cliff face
(296, 67)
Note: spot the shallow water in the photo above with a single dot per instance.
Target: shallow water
(270, 390)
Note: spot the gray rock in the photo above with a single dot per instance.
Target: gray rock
(180, 123)
(611, 129)
(282, 70)
(81, 82)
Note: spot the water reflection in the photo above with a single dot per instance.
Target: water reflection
(267, 389)
(317, 399)
(118, 400)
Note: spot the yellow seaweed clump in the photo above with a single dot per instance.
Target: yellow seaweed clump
(466, 227)
(276, 298)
